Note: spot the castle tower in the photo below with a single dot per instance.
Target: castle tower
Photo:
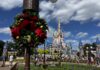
(58, 37)
(59, 27)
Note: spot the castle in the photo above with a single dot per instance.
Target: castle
(58, 47)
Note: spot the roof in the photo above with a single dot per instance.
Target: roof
(97, 41)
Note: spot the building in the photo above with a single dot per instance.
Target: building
(98, 47)
(58, 46)
(81, 49)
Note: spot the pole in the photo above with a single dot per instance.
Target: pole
(27, 58)
(32, 5)
(4, 54)
(44, 55)
(44, 60)
(29, 5)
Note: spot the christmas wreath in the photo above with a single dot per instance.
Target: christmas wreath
(29, 29)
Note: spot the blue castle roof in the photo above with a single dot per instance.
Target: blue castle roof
(97, 41)
(80, 43)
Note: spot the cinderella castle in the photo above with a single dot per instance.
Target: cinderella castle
(58, 47)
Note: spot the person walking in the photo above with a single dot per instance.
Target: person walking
(11, 60)
(97, 60)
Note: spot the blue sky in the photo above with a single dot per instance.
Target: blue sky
(80, 19)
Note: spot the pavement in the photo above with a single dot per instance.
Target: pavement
(6, 67)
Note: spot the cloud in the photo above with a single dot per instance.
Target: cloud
(86, 41)
(67, 34)
(51, 31)
(5, 30)
(96, 36)
(87, 9)
(66, 10)
(71, 41)
(98, 24)
(8, 40)
(10, 4)
(82, 34)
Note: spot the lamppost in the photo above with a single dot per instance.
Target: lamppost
(28, 29)
(34, 6)
(44, 57)
(35, 54)
(4, 54)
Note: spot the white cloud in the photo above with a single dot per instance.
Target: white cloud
(96, 36)
(67, 34)
(98, 24)
(5, 30)
(86, 41)
(66, 10)
(71, 41)
(9, 40)
(82, 34)
(9, 4)
(50, 32)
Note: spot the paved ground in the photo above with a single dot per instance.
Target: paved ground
(6, 66)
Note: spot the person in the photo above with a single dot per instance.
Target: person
(92, 60)
(97, 60)
(11, 60)
(36, 60)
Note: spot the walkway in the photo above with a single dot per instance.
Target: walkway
(6, 66)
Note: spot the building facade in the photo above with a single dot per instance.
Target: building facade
(58, 46)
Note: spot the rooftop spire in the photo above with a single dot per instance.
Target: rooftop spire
(97, 41)
(59, 26)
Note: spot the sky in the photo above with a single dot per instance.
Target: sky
(80, 19)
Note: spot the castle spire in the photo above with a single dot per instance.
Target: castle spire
(97, 41)
(59, 26)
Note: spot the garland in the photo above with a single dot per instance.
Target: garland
(29, 29)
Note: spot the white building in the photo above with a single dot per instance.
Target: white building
(58, 44)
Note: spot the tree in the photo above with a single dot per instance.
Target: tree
(78, 54)
(1, 47)
(94, 46)
(12, 45)
(41, 51)
(85, 48)
(16, 47)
